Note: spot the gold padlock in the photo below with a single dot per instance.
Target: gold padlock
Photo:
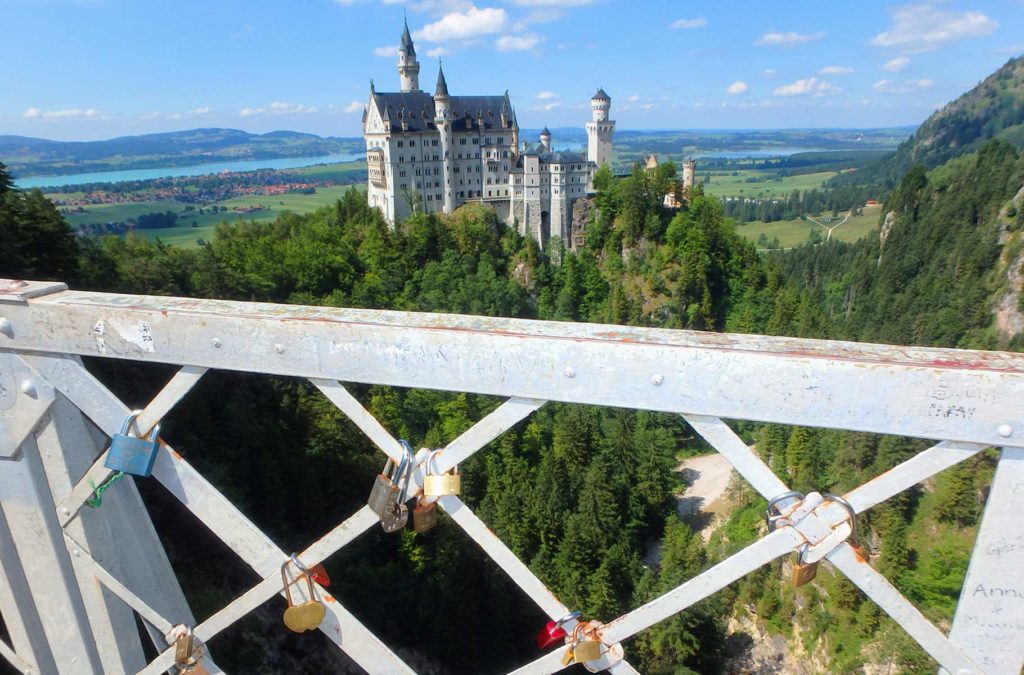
(424, 517)
(584, 648)
(308, 615)
(803, 573)
(442, 485)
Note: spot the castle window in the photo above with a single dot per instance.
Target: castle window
(401, 158)
(401, 173)
(437, 183)
(487, 141)
(504, 153)
(401, 144)
(417, 185)
(489, 193)
(501, 140)
(417, 172)
(434, 144)
(412, 144)
(476, 141)
(462, 141)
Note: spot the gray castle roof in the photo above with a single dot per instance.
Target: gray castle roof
(407, 41)
(417, 108)
(442, 86)
(548, 157)
(601, 95)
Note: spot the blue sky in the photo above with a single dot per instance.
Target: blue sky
(88, 69)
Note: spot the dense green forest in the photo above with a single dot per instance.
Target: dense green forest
(583, 495)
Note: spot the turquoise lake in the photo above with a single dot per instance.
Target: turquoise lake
(177, 171)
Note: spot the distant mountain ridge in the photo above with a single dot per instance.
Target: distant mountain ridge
(992, 109)
(26, 156)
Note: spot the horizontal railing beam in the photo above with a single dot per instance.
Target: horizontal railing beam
(941, 394)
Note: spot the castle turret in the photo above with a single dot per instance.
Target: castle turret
(408, 66)
(689, 172)
(545, 139)
(443, 122)
(600, 129)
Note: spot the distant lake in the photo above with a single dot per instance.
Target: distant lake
(178, 171)
(767, 151)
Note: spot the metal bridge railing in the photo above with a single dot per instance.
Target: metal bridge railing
(68, 590)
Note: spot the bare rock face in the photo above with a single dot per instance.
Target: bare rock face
(883, 234)
(582, 211)
(1009, 318)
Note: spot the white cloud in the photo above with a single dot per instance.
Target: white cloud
(897, 64)
(353, 107)
(835, 70)
(437, 52)
(547, 96)
(811, 86)
(769, 73)
(904, 87)
(467, 25)
(279, 108)
(779, 39)
(737, 87)
(633, 98)
(517, 43)
(925, 27)
(546, 107)
(69, 114)
(386, 52)
(687, 24)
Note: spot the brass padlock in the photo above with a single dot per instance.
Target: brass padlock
(188, 652)
(584, 648)
(308, 615)
(803, 573)
(424, 517)
(441, 485)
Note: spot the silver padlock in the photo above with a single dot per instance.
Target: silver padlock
(387, 498)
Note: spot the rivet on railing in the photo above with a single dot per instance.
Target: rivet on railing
(656, 380)
(570, 372)
(1005, 430)
(28, 387)
(6, 327)
(216, 342)
(279, 349)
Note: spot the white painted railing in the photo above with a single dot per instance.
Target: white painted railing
(67, 589)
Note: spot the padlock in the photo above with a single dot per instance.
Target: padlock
(183, 647)
(803, 573)
(387, 498)
(188, 652)
(130, 454)
(555, 630)
(583, 648)
(424, 517)
(442, 485)
(308, 615)
(853, 540)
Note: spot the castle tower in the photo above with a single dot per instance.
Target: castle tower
(545, 139)
(443, 121)
(408, 66)
(600, 130)
(689, 172)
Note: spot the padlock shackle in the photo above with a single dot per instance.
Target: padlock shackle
(288, 584)
(849, 510)
(127, 425)
(405, 469)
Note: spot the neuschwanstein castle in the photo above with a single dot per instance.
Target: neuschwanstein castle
(438, 152)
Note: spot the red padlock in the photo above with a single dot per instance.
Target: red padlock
(554, 631)
(319, 574)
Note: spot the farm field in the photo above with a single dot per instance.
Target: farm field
(193, 227)
(796, 232)
(725, 184)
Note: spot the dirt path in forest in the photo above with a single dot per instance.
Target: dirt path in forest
(704, 502)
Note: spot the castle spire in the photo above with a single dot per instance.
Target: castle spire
(407, 39)
(442, 85)
(408, 65)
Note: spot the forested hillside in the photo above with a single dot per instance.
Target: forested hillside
(992, 110)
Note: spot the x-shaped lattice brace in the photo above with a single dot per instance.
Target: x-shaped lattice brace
(206, 502)
(261, 554)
